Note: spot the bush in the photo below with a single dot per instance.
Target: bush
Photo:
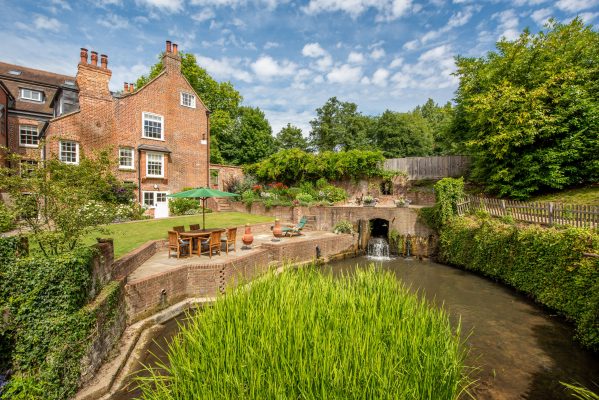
(7, 218)
(248, 197)
(332, 194)
(304, 198)
(546, 263)
(448, 193)
(183, 206)
(308, 335)
(344, 227)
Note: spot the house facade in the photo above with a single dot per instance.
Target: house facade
(159, 133)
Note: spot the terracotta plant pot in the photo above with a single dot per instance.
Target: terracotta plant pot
(247, 237)
(277, 231)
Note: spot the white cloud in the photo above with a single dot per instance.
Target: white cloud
(457, 19)
(379, 78)
(387, 9)
(588, 17)
(171, 6)
(42, 22)
(313, 50)
(541, 16)
(345, 74)
(576, 5)
(397, 62)
(267, 68)
(238, 23)
(435, 54)
(519, 3)
(271, 45)
(113, 21)
(355, 57)
(411, 45)
(203, 15)
(270, 4)
(508, 24)
(323, 63)
(377, 53)
(225, 68)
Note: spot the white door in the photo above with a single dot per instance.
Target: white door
(161, 210)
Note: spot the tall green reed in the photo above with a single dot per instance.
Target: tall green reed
(305, 335)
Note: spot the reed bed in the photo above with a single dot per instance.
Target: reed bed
(306, 335)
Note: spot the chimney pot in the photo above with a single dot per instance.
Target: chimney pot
(168, 46)
(83, 56)
(95, 58)
(104, 61)
(131, 87)
(175, 48)
(126, 87)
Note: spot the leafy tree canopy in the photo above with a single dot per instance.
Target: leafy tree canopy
(403, 134)
(439, 120)
(529, 110)
(291, 137)
(249, 139)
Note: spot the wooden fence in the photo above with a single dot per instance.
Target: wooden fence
(429, 167)
(534, 212)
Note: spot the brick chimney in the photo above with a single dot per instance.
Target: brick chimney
(171, 58)
(93, 79)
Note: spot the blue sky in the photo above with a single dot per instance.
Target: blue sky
(286, 57)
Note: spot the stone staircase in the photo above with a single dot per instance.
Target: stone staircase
(222, 204)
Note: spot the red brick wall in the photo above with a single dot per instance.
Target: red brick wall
(226, 174)
(3, 125)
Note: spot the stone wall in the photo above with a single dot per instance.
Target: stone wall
(129, 262)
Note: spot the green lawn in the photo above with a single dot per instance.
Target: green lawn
(587, 196)
(130, 235)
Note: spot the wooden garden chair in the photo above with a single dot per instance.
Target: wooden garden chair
(212, 243)
(175, 243)
(179, 229)
(231, 239)
(194, 227)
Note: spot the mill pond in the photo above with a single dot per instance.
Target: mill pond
(516, 348)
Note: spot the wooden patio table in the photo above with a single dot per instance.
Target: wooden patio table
(199, 234)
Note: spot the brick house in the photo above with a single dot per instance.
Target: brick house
(159, 133)
(26, 95)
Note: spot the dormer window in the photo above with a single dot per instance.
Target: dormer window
(188, 100)
(33, 95)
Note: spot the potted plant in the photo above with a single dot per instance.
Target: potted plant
(402, 202)
(368, 201)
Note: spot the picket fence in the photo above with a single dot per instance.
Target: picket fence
(543, 213)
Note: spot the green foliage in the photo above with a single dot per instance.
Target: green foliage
(439, 121)
(291, 137)
(546, 263)
(249, 139)
(182, 206)
(303, 334)
(448, 192)
(294, 166)
(403, 135)
(46, 323)
(581, 393)
(304, 198)
(527, 112)
(339, 126)
(344, 226)
(59, 203)
(7, 218)
(248, 197)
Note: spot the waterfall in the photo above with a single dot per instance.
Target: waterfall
(378, 249)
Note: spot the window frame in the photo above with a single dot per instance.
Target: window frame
(23, 90)
(60, 152)
(127, 167)
(32, 166)
(193, 98)
(143, 127)
(154, 194)
(151, 153)
(21, 144)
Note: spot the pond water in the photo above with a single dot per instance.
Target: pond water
(520, 350)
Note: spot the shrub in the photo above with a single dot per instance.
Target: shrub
(546, 263)
(7, 218)
(304, 199)
(248, 197)
(313, 336)
(448, 192)
(344, 227)
(182, 206)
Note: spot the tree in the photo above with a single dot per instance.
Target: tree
(249, 138)
(403, 135)
(439, 120)
(529, 110)
(221, 98)
(60, 203)
(291, 137)
(339, 126)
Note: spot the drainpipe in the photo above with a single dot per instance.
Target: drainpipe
(139, 199)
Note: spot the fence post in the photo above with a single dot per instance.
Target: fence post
(503, 207)
(550, 213)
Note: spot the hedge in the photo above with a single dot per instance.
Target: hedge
(546, 263)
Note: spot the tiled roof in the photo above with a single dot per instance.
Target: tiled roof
(35, 75)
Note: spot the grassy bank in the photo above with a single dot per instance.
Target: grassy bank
(305, 335)
(585, 196)
(548, 264)
(130, 235)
